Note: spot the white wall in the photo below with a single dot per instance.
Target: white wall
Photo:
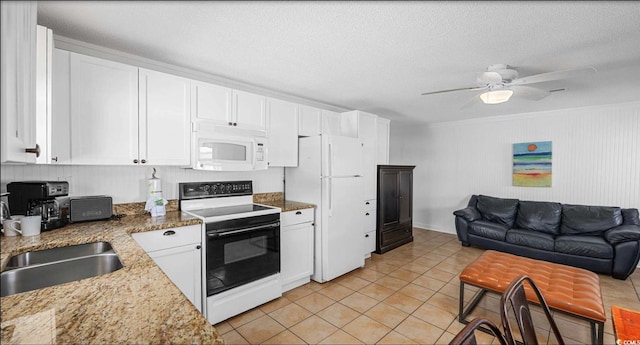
(128, 183)
(596, 159)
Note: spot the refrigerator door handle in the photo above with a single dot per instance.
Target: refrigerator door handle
(330, 183)
(329, 161)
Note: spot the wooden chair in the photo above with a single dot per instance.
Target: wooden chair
(467, 335)
(515, 298)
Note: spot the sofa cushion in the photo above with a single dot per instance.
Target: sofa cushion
(498, 210)
(630, 216)
(591, 220)
(531, 239)
(591, 246)
(488, 229)
(539, 216)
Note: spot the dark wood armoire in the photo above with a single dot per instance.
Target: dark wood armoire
(395, 206)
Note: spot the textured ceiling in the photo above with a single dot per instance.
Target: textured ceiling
(377, 56)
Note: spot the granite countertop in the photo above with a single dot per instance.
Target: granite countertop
(134, 305)
(278, 200)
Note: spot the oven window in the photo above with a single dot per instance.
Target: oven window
(223, 151)
(245, 249)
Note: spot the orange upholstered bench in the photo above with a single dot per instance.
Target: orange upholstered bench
(570, 290)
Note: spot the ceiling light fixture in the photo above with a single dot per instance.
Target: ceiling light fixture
(496, 96)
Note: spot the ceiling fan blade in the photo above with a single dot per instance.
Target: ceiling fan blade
(539, 78)
(530, 93)
(489, 78)
(452, 90)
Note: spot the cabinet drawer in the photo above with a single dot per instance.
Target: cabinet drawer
(370, 242)
(168, 238)
(370, 205)
(296, 217)
(369, 220)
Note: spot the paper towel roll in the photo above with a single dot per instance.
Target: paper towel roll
(155, 187)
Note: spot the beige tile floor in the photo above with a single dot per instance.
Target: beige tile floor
(406, 296)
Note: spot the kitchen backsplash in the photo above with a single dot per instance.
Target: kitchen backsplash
(126, 184)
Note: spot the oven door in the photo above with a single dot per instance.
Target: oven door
(242, 250)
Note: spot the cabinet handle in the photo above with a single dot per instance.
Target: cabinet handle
(198, 246)
(230, 123)
(35, 150)
(143, 161)
(299, 212)
(366, 203)
(235, 123)
(366, 214)
(367, 235)
(55, 159)
(169, 233)
(135, 161)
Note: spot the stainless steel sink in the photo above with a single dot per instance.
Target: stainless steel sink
(45, 270)
(58, 254)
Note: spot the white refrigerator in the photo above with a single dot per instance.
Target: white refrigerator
(329, 175)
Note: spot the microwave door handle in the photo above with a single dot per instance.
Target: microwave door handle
(223, 233)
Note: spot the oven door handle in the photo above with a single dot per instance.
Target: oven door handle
(222, 233)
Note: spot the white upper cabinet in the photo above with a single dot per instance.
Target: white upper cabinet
(44, 70)
(164, 119)
(249, 111)
(309, 121)
(18, 81)
(211, 103)
(60, 150)
(283, 133)
(331, 122)
(104, 111)
(227, 107)
(382, 141)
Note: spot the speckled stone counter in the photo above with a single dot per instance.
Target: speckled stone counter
(277, 200)
(137, 304)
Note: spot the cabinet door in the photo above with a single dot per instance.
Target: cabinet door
(164, 119)
(18, 81)
(367, 134)
(283, 133)
(60, 111)
(249, 111)
(309, 123)
(211, 103)
(389, 197)
(182, 266)
(43, 93)
(405, 199)
(104, 111)
(382, 141)
(296, 256)
(331, 122)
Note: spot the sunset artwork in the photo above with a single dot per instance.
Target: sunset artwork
(532, 164)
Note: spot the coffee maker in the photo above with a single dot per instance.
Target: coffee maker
(32, 198)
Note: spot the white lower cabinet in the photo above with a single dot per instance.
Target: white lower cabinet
(370, 227)
(177, 251)
(296, 248)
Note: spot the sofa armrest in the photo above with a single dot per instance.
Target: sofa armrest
(622, 233)
(470, 214)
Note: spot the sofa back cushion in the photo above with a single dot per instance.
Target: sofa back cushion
(497, 210)
(631, 216)
(539, 216)
(589, 220)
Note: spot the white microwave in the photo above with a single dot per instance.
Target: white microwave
(222, 152)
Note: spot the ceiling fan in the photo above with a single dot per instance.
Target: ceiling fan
(500, 81)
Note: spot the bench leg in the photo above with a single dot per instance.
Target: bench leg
(462, 312)
(597, 337)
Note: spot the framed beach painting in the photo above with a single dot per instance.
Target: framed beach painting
(532, 164)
